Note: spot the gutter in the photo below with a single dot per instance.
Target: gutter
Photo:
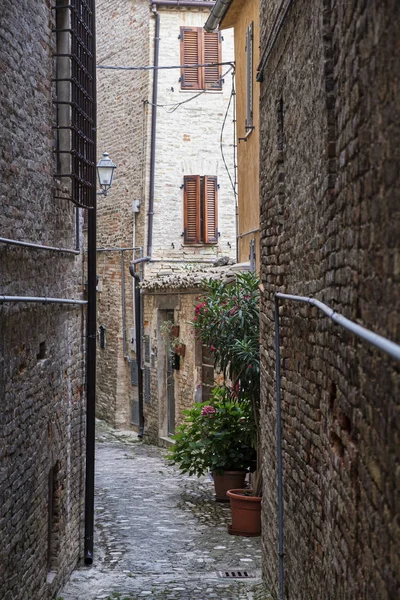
(217, 13)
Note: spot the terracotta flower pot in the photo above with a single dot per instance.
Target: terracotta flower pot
(227, 481)
(246, 514)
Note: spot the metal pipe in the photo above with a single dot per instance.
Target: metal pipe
(123, 306)
(373, 338)
(138, 320)
(279, 449)
(183, 3)
(268, 47)
(118, 249)
(249, 232)
(142, 259)
(77, 230)
(91, 330)
(42, 300)
(153, 134)
(181, 260)
(37, 246)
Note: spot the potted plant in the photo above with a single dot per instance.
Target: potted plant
(216, 437)
(227, 321)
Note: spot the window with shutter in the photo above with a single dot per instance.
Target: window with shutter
(212, 54)
(210, 210)
(200, 210)
(199, 48)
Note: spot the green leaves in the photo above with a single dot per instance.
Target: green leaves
(220, 440)
(227, 321)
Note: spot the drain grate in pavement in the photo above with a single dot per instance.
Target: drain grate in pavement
(237, 574)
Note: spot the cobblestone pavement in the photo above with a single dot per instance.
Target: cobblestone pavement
(159, 534)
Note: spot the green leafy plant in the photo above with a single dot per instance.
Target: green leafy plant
(215, 436)
(227, 320)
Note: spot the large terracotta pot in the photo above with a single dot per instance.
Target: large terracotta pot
(227, 481)
(246, 513)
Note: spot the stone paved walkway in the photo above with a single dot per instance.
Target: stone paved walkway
(159, 534)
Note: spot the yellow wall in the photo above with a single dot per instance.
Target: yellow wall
(240, 15)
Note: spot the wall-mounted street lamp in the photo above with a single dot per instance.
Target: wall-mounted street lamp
(105, 172)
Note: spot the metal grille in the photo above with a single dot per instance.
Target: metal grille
(238, 574)
(76, 102)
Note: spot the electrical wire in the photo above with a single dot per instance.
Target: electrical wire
(151, 68)
(233, 93)
(176, 105)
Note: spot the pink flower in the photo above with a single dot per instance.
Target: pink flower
(195, 319)
(208, 411)
(212, 348)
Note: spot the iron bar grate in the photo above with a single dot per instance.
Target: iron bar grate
(75, 102)
(236, 574)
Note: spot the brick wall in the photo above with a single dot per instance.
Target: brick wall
(41, 346)
(330, 228)
(122, 40)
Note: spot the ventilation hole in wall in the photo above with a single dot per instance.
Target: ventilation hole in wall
(344, 421)
(42, 351)
(336, 444)
(332, 395)
(358, 308)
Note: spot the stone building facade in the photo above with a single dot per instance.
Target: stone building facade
(42, 416)
(330, 228)
(123, 39)
(150, 177)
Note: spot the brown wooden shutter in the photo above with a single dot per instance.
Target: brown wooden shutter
(191, 207)
(210, 210)
(191, 52)
(212, 54)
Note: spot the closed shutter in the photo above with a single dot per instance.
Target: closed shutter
(192, 209)
(210, 210)
(191, 42)
(212, 54)
(249, 77)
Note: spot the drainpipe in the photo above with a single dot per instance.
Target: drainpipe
(153, 132)
(125, 346)
(91, 335)
(138, 320)
(216, 15)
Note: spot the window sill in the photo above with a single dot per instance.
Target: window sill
(199, 244)
(197, 91)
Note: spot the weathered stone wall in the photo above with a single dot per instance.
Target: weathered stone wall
(330, 228)
(122, 40)
(41, 345)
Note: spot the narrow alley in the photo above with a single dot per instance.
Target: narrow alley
(159, 534)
